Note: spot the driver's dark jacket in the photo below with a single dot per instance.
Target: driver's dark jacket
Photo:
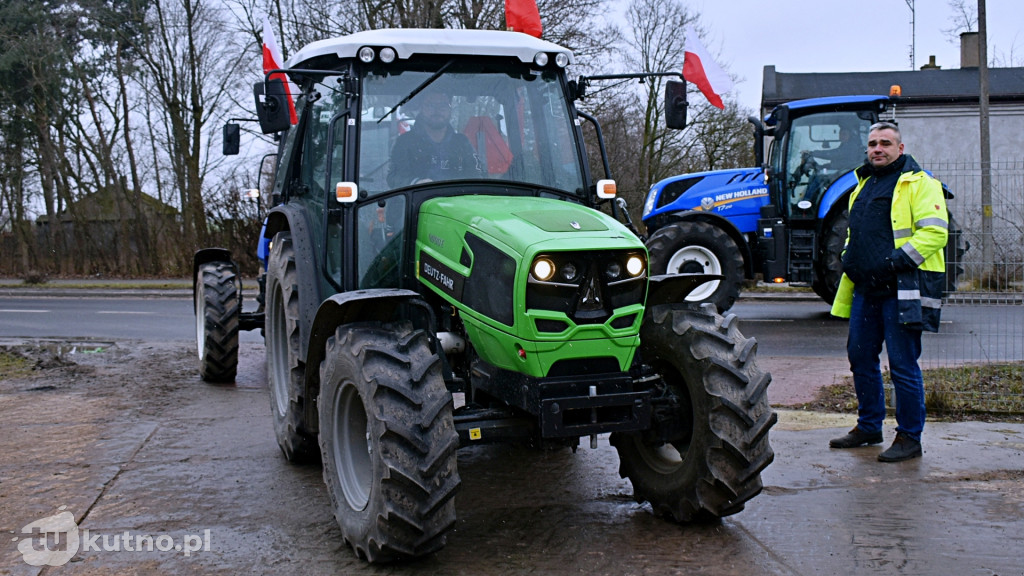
(416, 156)
(919, 224)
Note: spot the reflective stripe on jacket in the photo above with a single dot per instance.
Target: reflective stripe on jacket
(920, 225)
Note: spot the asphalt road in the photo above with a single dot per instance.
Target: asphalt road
(123, 318)
(782, 328)
(785, 328)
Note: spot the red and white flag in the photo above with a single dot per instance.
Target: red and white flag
(523, 16)
(272, 60)
(700, 68)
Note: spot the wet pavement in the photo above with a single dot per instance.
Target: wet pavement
(134, 445)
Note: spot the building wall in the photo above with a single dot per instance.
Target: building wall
(945, 134)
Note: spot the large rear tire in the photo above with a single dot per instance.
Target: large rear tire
(828, 269)
(285, 368)
(217, 307)
(700, 248)
(704, 458)
(388, 441)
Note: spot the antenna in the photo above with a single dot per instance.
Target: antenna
(913, 36)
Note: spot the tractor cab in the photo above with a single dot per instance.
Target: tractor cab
(390, 119)
(816, 146)
(815, 143)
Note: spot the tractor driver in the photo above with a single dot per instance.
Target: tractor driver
(848, 155)
(432, 150)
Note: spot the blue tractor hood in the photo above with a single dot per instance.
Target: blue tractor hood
(734, 194)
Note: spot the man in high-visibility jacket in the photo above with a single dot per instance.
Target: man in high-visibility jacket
(891, 289)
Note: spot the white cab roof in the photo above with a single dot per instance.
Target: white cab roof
(410, 41)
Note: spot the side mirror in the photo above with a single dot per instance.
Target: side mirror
(229, 145)
(272, 106)
(675, 104)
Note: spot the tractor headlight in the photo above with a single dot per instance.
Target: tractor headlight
(543, 269)
(635, 266)
(366, 54)
(569, 272)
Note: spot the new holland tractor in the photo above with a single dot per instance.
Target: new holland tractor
(426, 296)
(785, 220)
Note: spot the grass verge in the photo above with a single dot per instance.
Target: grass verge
(14, 365)
(983, 392)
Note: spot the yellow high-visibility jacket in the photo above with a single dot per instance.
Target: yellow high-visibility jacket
(920, 227)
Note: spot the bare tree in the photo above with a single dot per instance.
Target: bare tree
(188, 70)
(964, 19)
(642, 148)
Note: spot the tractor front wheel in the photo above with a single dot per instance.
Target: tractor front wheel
(217, 307)
(387, 440)
(703, 458)
(699, 248)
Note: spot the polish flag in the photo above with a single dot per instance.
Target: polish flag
(272, 60)
(523, 16)
(699, 68)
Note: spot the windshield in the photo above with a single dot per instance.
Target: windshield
(822, 147)
(471, 121)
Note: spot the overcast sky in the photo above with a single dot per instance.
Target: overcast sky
(843, 36)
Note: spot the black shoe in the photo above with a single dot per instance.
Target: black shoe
(856, 438)
(903, 448)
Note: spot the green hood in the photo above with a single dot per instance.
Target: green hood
(527, 224)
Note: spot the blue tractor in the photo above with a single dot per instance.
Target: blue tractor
(786, 220)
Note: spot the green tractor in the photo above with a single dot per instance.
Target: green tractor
(438, 276)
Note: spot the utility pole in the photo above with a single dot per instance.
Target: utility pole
(987, 248)
(913, 34)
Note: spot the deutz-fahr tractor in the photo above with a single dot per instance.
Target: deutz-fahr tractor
(416, 303)
(786, 219)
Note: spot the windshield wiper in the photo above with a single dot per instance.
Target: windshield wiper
(418, 89)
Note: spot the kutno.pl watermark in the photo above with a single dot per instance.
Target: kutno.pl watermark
(54, 540)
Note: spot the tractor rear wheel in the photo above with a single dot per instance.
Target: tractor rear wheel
(285, 367)
(703, 458)
(829, 266)
(699, 248)
(387, 440)
(217, 307)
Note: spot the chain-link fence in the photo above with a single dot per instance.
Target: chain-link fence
(983, 320)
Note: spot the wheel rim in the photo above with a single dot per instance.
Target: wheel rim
(696, 260)
(351, 447)
(665, 458)
(277, 351)
(200, 320)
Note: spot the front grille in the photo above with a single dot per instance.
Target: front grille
(593, 292)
